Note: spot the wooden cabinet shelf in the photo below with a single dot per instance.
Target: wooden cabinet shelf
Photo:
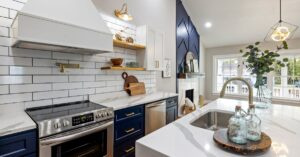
(132, 46)
(123, 68)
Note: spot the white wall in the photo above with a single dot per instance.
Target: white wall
(210, 52)
(158, 14)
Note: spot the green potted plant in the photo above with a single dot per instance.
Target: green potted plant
(259, 63)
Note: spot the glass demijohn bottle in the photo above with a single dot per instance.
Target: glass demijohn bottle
(237, 127)
(253, 125)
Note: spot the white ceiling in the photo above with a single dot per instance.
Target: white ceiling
(239, 21)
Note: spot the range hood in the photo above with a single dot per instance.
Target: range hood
(61, 25)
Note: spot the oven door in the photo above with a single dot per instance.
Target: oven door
(95, 140)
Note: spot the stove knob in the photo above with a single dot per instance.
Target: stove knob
(57, 125)
(98, 115)
(66, 123)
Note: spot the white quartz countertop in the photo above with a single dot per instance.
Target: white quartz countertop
(128, 101)
(13, 119)
(181, 139)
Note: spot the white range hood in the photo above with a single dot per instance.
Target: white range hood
(61, 25)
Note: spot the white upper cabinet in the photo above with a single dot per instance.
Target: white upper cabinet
(152, 57)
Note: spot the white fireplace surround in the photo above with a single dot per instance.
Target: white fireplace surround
(187, 84)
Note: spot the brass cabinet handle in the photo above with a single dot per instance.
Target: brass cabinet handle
(130, 114)
(130, 149)
(129, 130)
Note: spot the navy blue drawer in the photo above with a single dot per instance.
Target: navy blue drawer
(128, 128)
(30, 155)
(19, 144)
(172, 101)
(128, 113)
(126, 149)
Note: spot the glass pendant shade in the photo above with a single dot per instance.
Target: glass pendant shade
(281, 31)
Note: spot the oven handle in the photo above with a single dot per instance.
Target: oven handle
(78, 134)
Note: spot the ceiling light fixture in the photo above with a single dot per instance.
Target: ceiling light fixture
(123, 13)
(208, 24)
(281, 31)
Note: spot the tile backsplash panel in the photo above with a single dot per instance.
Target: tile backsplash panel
(30, 77)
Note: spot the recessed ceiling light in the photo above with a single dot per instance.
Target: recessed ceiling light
(208, 24)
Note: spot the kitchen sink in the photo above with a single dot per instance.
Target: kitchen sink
(213, 120)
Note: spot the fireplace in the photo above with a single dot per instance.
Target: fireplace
(190, 94)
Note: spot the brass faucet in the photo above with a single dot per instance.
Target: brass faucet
(238, 79)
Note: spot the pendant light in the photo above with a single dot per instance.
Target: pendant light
(123, 13)
(281, 31)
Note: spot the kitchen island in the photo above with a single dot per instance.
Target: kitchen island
(182, 139)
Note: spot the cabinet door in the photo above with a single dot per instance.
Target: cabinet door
(150, 49)
(19, 144)
(159, 50)
(171, 114)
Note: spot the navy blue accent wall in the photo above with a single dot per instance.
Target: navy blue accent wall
(187, 37)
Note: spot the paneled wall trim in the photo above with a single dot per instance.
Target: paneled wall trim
(31, 78)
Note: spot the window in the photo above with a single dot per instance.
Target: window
(226, 69)
(284, 82)
(287, 80)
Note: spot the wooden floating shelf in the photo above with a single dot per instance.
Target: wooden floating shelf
(127, 45)
(123, 68)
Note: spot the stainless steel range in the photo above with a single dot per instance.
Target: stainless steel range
(75, 129)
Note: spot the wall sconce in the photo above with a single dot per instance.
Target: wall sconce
(62, 66)
(123, 13)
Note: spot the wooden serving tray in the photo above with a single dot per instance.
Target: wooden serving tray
(251, 147)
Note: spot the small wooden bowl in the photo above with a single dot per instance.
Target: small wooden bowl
(117, 61)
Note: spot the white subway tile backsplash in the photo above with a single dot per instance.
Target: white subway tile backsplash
(50, 94)
(4, 89)
(50, 79)
(76, 92)
(106, 77)
(84, 64)
(29, 53)
(38, 103)
(15, 79)
(67, 56)
(4, 41)
(3, 50)
(82, 78)
(12, 14)
(5, 60)
(14, 70)
(93, 84)
(60, 86)
(106, 89)
(114, 83)
(4, 70)
(12, 4)
(94, 58)
(4, 12)
(3, 31)
(5, 22)
(67, 99)
(13, 98)
(29, 88)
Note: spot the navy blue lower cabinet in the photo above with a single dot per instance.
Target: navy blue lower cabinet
(172, 109)
(22, 144)
(129, 126)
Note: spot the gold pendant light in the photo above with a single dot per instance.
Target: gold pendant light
(281, 31)
(123, 13)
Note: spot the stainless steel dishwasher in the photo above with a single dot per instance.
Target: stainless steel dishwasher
(155, 116)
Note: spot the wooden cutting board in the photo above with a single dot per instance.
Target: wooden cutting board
(128, 80)
(136, 88)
